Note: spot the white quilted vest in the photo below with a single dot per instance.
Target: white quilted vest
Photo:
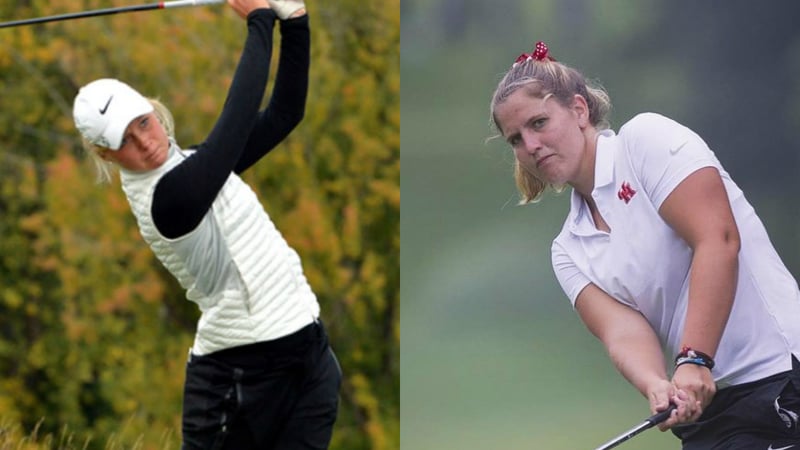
(237, 267)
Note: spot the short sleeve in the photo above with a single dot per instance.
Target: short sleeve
(663, 153)
(570, 277)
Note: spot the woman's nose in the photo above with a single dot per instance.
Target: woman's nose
(532, 143)
(143, 141)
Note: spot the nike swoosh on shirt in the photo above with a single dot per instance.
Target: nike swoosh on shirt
(105, 108)
(674, 151)
(782, 448)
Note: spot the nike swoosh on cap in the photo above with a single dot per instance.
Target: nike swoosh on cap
(105, 108)
(782, 448)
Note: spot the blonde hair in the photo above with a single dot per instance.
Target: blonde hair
(542, 79)
(103, 168)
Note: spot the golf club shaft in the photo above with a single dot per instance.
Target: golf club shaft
(108, 11)
(651, 421)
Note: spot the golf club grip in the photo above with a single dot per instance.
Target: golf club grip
(659, 417)
(181, 3)
(109, 11)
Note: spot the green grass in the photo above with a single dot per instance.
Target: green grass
(13, 437)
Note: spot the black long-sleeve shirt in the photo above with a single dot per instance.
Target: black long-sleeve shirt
(242, 134)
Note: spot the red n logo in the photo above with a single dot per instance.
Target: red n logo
(626, 192)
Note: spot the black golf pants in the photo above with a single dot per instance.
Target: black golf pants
(761, 415)
(280, 395)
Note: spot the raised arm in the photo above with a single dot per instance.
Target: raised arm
(184, 195)
(287, 104)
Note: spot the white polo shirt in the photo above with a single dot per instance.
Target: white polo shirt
(644, 264)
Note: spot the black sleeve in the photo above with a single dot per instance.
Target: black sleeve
(287, 104)
(184, 195)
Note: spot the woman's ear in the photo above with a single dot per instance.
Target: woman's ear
(103, 153)
(581, 109)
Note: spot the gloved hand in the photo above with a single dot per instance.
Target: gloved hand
(286, 8)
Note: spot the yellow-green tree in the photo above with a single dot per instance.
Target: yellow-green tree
(93, 331)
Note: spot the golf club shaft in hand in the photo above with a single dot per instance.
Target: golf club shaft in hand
(108, 11)
(650, 422)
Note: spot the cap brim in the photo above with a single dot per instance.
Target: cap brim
(115, 131)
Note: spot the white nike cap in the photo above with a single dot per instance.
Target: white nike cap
(104, 108)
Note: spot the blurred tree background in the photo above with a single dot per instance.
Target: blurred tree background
(493, 356)
(93, 331)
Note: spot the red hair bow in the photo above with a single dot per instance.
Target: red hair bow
(539, 54)
(540, 51)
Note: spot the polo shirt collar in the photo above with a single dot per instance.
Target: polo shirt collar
(579, 220)
(604, 159)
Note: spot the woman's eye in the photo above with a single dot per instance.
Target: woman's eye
(538, 123)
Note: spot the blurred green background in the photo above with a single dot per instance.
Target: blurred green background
(492, 354)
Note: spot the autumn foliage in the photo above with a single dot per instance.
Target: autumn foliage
(93, 332)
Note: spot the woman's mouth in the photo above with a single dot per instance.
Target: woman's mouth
(151, 155)
(542, 160)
